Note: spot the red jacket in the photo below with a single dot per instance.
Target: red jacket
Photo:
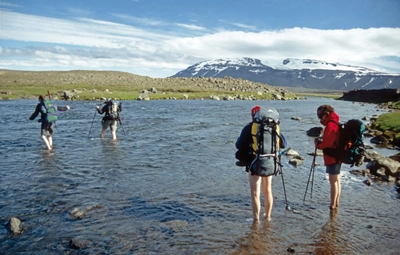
(330, 136)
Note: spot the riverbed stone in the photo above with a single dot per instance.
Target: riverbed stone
(384, 166)
(296, 162)
(14, 225)
(315, 131)
(291, 152)
(77, 243)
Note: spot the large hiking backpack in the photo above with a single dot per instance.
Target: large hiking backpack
(49, 111)
(266, 142)
(350, 146)
(114, 109)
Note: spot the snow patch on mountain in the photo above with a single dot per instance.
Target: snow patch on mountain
(311, 64)
(286, 64)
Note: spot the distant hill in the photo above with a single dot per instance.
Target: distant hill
(103, 84)
(296, 73)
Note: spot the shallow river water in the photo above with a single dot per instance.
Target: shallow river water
(169, 184)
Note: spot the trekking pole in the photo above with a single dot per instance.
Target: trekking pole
(311, 171)
(281, 171)
(284, 188)
(92, 123)
(120, 122)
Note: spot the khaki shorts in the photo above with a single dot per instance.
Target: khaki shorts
(109, 123)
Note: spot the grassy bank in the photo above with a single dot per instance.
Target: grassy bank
(389, 121)
(93, 85)
(313, 94)
(307, 92)
(87, 92)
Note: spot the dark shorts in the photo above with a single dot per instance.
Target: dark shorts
(109, 123)
(333, 169)
(46, 129)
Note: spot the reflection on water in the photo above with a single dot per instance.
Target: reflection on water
(328, 240)
(169, 185)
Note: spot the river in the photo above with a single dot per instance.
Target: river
(169, 184)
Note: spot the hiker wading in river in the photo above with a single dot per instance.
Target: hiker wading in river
(330, 138)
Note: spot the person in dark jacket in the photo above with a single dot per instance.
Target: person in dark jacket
(46, 127)
(243, 143)
(329, 118)
(108, 120)
(256, 178)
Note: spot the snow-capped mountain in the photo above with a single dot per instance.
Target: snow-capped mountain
(305, 73)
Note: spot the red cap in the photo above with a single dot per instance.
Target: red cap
(254, 110)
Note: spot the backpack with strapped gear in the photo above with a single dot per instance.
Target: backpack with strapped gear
(49, 111)
(266, 142)
(350, 146)
(114, 109)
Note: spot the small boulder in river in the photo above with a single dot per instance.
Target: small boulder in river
(315, 131)
(14, 225)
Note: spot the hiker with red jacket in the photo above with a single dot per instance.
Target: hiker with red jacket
(329, 118)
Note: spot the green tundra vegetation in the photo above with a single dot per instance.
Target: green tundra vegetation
(93, 85)
(389, 121)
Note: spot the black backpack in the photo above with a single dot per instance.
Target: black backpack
(114, 109)
(350, 146)
(266, 142)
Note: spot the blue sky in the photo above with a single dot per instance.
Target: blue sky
(159, 38)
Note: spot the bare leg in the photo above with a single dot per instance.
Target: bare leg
(114, 135)
(50, 139)
(255, 185)
(102, 132)
(113, 128)
(268, 198)
(334, 180)
(44, 138)
(339, 188)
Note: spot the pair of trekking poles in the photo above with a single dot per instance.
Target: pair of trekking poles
(312, 170)
(94, 116)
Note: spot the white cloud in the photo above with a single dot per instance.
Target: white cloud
(6, 4)
(96, 44)
(144, 21)
(245, 26)
(191, 27)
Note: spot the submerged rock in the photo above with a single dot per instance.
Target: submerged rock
(14, 225)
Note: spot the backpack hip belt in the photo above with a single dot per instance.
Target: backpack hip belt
(268, 155)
